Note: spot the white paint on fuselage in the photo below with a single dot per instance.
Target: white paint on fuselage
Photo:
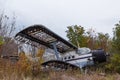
(72, 57)
(77, 59)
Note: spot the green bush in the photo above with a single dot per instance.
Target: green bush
(114, 64)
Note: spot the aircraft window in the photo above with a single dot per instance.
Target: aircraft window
(69, 57)
(83, 50)
(65, 58)
(73, 56)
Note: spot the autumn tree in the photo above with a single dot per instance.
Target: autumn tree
(7, 28)
(97, 40)
(102, 40)
(91, 41)
(76, 35)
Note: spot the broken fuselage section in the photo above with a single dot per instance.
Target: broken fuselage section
(66, 54)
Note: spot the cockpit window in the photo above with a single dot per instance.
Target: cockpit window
(83, 50)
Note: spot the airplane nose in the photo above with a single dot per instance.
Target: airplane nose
(99, 56)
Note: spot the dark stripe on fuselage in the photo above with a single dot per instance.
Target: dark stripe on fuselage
(78, 58)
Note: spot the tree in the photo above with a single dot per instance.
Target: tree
(97, 40)
(114, 64)
(91, 38)
(7, 28)
(116, 38)
(76, 35)
(102, 40)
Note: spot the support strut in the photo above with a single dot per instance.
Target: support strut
(56, 51)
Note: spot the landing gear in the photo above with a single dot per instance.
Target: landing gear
(59, 65)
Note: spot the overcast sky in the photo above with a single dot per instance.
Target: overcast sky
(100, 15)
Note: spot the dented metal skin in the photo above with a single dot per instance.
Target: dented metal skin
(66, 54)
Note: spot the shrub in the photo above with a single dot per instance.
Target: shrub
(114, 64)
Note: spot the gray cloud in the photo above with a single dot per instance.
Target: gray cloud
(58, 14)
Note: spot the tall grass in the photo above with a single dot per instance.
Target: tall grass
(59, 76)
(10, 71)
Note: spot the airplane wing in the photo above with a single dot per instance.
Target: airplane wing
(40, 35)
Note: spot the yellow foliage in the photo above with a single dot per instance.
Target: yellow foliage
(40, 54)
(23, 65)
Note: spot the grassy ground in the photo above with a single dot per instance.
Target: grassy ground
(24, 72)
(59, 75)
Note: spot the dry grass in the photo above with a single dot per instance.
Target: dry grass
(13, 72)
(53, 75)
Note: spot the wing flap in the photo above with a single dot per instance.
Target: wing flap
(43, 36)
